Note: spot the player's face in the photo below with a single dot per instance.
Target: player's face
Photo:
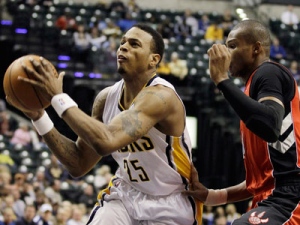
(134, 53)
(242, 57)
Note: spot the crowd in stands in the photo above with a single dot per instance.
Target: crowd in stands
(285, 40)
(90, 34)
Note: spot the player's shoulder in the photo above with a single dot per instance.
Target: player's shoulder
(103, 94)
(99, 102)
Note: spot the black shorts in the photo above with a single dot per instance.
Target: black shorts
(281, 207)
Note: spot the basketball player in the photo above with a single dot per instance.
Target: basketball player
(270, 127)
(140, 121)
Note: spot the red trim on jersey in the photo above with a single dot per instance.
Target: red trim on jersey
(295, 218)
(295, 106)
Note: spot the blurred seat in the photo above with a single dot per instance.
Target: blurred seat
(22, 17)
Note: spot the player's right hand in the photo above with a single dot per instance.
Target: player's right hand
(33, 115)
(219, 62)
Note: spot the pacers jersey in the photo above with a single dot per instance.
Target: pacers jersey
(267, 163)
(156, 164)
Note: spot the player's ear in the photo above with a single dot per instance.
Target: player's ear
(257, 48)
(155, 58)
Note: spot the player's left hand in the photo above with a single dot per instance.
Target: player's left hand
(196, 189)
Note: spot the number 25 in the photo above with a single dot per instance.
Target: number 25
(142, 175)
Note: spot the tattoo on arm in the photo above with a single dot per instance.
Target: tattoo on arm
(131, 124)
(69, 156)
(153, 94)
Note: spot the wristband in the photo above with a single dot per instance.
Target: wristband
(216, 197)
(62, 102)
(43, 125)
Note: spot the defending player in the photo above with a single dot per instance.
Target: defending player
(270, 127)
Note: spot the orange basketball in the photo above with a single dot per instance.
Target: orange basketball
(22, 95)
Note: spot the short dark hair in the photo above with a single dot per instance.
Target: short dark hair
(254, 31)
(158, 45)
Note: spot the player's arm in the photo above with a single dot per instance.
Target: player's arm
(262, 117)
(152, 105)
(78, 157)
(214, 197)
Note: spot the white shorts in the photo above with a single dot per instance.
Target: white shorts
(127, 206)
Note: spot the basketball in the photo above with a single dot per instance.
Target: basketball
(22, 95)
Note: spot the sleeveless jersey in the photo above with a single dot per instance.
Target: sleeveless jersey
(156, 164)
(266, 162)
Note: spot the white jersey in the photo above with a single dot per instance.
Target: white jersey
(156, 164)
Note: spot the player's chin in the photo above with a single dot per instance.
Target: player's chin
(121, 70)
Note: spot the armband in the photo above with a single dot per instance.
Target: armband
(216, 197)
(62, 102)
(43, 125)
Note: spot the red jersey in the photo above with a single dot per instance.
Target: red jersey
(267, 162)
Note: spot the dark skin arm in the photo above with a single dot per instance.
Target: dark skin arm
(73, 154)
(198, 191)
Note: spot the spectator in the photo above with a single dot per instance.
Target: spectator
(214, 32)
(208, 215)
(7, 160)
(82, 43)
(133, 7)
(191, 21)
(231, 213)
(220, 220)
(277, 51)
(29, 214)
(227, 22)
(111, 30)
(67, 207)
(100, 22)
(77, 217)
(118, 7)
(40, 199)
(126, 22)
(165, 28)
(44, 216)
(7, 122)
(9, 217)
(36, 140)
(66, 21)
(294, 68)
(289, 17)
(203, 23)
(182, 30)
(179, 69)
(55, 170)
(163, 68)
(23, 188)
(39, 181)
(5, 180)
(16, 203)
(88, 197)
(61, 216)
(97, 38)
(21, 135)
(108, 60)
(53, 191)
(102, 177)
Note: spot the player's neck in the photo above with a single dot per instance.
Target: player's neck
(133, 88)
